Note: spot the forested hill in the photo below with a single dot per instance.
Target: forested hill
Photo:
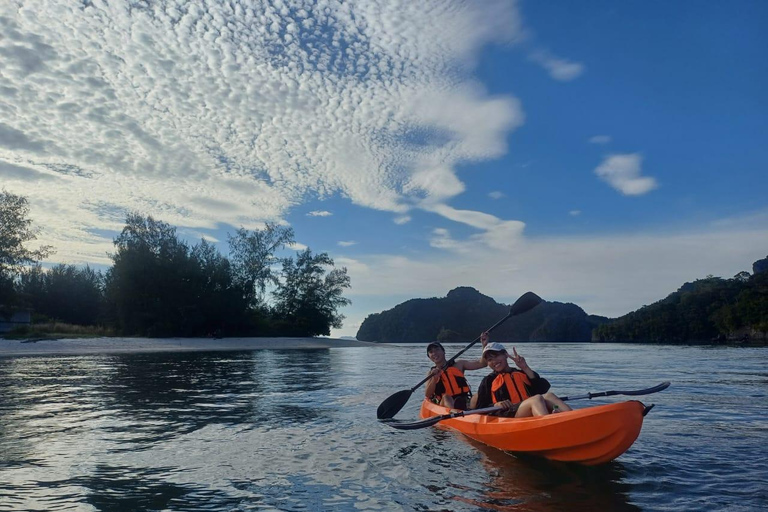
(710, 309)
(465, 312)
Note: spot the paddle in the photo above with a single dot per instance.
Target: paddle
(394, 403)
(413, 425)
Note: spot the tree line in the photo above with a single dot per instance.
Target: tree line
(160, 285)
(709, 309)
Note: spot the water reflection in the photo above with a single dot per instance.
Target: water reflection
(57, 414)
(534, 484)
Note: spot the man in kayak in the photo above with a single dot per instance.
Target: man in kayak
(449, 387)
(519, 393)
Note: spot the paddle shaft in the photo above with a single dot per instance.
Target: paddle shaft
(638, 392)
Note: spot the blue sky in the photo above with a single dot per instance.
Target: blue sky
(601, 152)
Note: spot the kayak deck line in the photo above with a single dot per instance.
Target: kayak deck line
(589, 436)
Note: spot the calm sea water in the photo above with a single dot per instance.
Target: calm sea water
(296, 430)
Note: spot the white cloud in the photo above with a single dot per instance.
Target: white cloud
(232, 113)
(296, 246)
(574, 213)
(600, 139)
(496, 194)
(558, 68)
(349, 243)
(623, 172)
(319, 213)
(403, 219)
(504, 236)
(472, 218)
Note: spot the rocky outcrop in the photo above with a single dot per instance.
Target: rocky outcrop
(465, 312)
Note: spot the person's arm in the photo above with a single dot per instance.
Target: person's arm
(432, 382)
(475, 364)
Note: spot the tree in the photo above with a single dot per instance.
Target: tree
(150, 288)
(15, 231)
(64, 293)
(221, 301)
(252, 254)
(307, 298)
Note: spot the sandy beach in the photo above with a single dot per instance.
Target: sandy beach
(15, 348)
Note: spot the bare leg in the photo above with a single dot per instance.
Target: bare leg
(447, 401)
(552, 400)
(534, 406)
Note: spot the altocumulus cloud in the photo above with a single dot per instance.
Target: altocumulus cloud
(203, 112)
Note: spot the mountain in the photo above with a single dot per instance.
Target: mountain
(465, 313)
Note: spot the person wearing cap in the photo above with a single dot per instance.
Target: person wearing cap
(518, 392)
(448, 386)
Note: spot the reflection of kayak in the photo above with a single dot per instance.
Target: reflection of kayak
(594, 435)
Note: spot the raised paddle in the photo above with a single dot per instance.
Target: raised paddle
(394, 403)
(413, 425)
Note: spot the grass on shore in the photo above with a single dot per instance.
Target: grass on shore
(56, 330)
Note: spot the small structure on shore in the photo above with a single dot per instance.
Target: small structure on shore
(13, 319)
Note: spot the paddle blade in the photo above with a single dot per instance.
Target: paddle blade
(393, 404)
(527, 301)
(654, 389)
(413, 425)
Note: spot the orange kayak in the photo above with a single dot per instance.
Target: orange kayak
(590, 436)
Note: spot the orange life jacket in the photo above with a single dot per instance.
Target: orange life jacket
(516, 384)
(454, 382)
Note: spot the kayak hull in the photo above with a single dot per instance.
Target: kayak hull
(590, 436)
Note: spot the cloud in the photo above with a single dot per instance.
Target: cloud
(10, 172)
(13, 139)
(403, 219)
(348, 243)
(600, 139)
(574, 213)
(296, 246)
(558, 68)
(496, 194)
(319, 213)
(623, 172)
(472, 218)
(232, 113)
(504, 236)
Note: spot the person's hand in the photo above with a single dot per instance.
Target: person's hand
(504, 405)
(435, 372)
(484, 338)
(518, 359)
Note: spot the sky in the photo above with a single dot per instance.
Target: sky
(601, 153)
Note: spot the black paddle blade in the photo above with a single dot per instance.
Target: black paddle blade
(654, 389)
(528, 300)
(393, 404)
(413, 425)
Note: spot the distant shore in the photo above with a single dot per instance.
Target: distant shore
(77, 346)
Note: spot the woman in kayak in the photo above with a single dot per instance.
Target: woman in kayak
(519, 393)
(449, 387)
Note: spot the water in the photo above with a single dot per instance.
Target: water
(296, 430)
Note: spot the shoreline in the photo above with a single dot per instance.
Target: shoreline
(120, 345)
